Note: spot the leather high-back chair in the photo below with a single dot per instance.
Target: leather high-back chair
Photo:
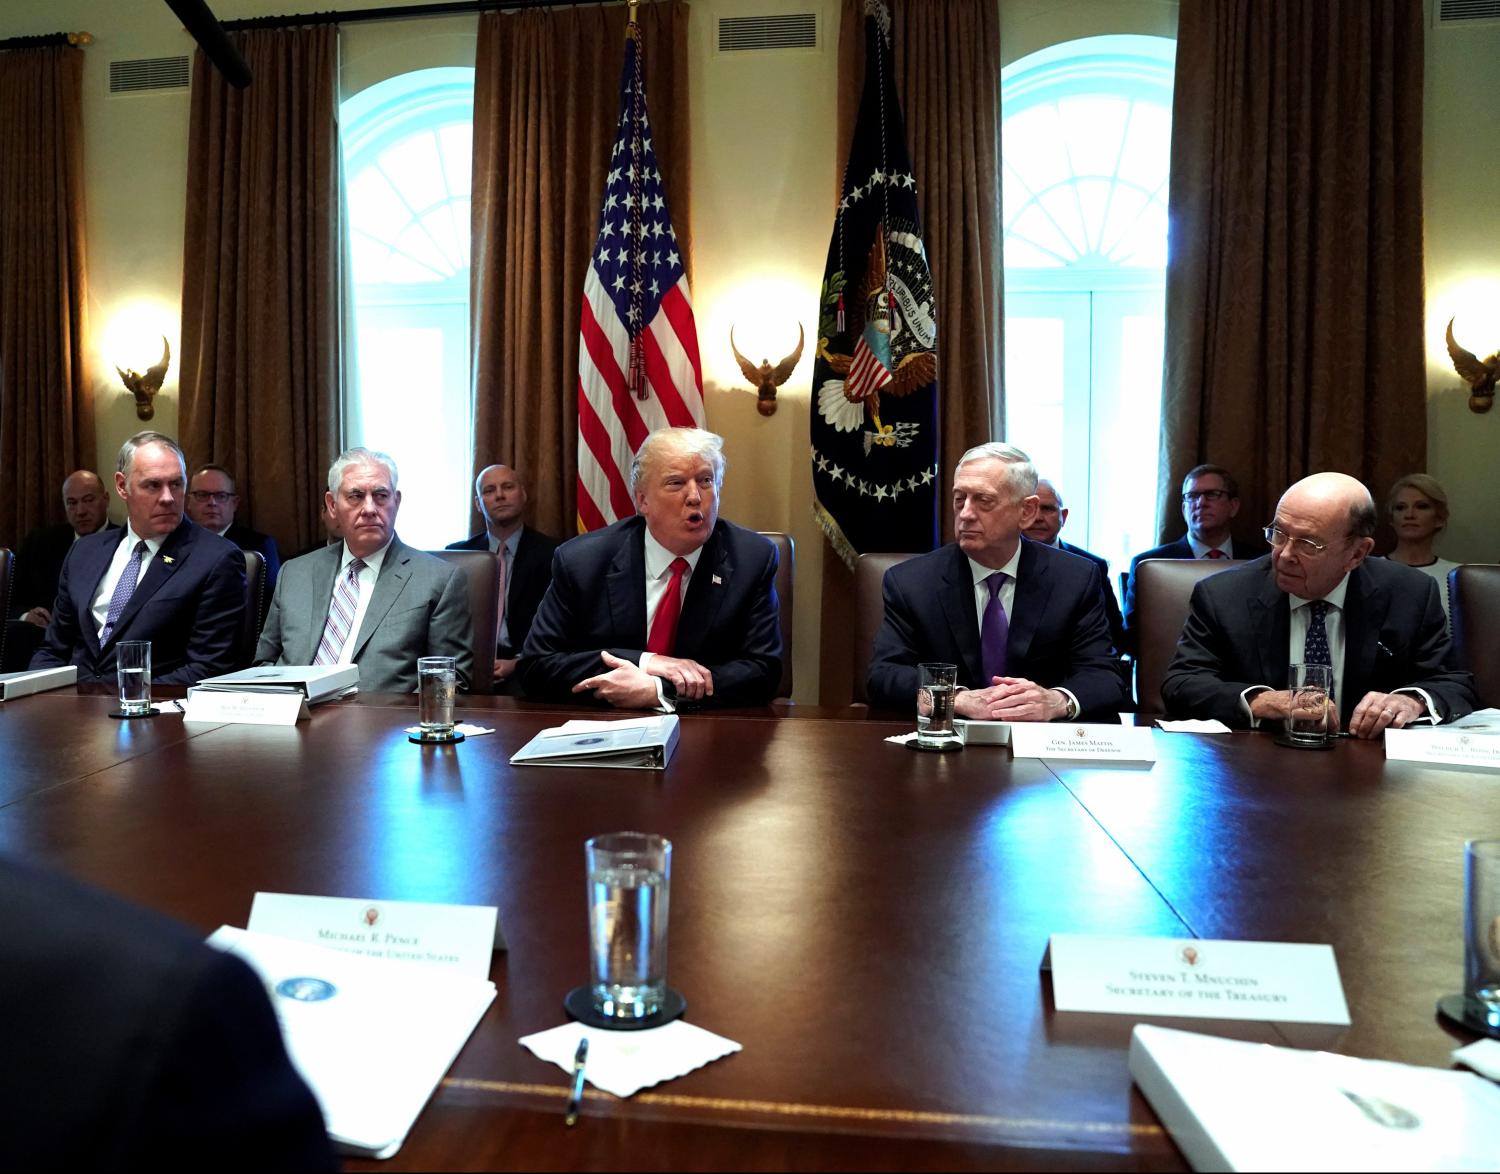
(7, 565)
(869, 610)
(1163, 591)
(786, 549)
(482, 570)
(1474, 596)
(255, 605)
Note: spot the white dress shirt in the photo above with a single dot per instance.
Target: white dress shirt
(116, 568)
(1201, 549)
(1007, 601)
(367, 577)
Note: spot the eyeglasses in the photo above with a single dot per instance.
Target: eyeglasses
(1306, 546)
(204, 496)
(1204, 495)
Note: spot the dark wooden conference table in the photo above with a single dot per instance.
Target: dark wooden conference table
(867, 921)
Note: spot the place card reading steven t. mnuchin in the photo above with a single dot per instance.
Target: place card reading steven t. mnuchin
(1279, 982)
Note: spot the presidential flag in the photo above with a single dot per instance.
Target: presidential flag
(638, 367)
(875, 417)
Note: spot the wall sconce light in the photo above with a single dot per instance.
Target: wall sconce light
(1478, 373)
(145, 386)
(767, 378)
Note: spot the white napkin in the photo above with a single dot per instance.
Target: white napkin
(899, 740)
(1482, 1055)
(624, 1062)
(1194, 726)
(467, 729)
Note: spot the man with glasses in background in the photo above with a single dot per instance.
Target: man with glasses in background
(212, 500)
(1210, 502)
(1319, 599)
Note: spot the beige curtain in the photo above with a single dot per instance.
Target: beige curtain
(546, 97)
(46, 394)
(1294, 279)
(262, 278)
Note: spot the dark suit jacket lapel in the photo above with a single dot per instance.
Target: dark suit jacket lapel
(174, 551)
(705, 594)
(624, 583)
(956, 597)
(395, 570)
(1028, 605)
(1365, 607)
(1270, 611)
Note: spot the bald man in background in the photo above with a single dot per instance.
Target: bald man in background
(525, 561)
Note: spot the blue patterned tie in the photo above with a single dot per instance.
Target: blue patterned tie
(124, 589)
(994, 632)
(1315, 649)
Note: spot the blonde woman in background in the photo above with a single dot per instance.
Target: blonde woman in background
(1418, 509)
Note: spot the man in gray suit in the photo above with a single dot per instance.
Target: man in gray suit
(370, 600)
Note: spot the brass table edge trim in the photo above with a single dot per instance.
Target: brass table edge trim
(830, 1112)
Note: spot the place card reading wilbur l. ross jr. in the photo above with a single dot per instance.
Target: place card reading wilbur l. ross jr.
(459, 936)
(251, 709)
(1100, 743)
(1282, 982)
(1444, 745)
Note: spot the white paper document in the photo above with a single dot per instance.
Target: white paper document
(371, 1038)
(1231, 1105)
(624, 1062)
(1282, 982)
(631, 742)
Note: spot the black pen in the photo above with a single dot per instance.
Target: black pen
(575, 1100)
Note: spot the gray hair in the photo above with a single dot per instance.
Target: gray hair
(358, 456)
(127, 450)
(1020, 473)
(1362, 516)
(683, 442)
(1052, 485)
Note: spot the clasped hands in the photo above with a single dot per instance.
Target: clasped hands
(1371, 717)
(631, 687)
(1012, 699)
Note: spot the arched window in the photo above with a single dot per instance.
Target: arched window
(407, 146)
(1086, 131)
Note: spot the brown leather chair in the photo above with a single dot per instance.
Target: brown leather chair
(7, 570)
(786, 549)
(255, 604)
(1163, 591)
(1474, 595)
(483, 573)
(869, 610)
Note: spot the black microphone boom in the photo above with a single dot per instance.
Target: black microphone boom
(213, 40)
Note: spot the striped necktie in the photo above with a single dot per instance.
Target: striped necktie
(341, 612)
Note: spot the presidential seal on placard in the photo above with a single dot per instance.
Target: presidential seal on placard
(306, 990)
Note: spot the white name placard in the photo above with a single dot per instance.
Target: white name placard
(1444, 744)
(1283, 982)
(254, 709)
(1078, 740)
(459, 936)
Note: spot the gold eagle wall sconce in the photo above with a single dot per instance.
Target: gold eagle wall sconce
(1478, 373)
(766, 378)
(144, 386)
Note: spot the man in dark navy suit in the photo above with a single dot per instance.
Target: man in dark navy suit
(1051, 516)
(129, 1044)
(525, 557)
(1210, 503)
(671, 608)
(164, 580)
(1024, 623)
(212, 499)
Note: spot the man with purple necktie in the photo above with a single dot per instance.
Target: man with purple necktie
(1024, 623)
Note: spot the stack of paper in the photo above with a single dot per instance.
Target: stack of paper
(371, 1037)
(632, 742)
(315, 682)
(1241, 1106)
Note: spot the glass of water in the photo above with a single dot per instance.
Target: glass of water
(1309, 699)
(437, 686)
(133, 667)
(1482, 927)
(936, 686)
(629, 874)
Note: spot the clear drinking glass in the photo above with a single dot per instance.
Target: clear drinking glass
(937, 684)
(1309, 702)
(1482, 926)
(629, 875)
(437, 686)
(133, 667)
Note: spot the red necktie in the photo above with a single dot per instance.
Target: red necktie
(663, 637)
(1216, 553)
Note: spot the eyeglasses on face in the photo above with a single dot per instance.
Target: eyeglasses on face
(204, 496)
(1278, 538)
(1204, 495)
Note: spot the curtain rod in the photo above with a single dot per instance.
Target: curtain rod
(391, 12)
(47, 41)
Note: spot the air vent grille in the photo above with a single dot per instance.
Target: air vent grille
(746, 34)
(1463, 11)
(148, 73)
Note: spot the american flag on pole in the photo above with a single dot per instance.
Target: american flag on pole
(638, 367)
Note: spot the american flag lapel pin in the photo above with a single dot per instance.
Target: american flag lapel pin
(718, 582)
